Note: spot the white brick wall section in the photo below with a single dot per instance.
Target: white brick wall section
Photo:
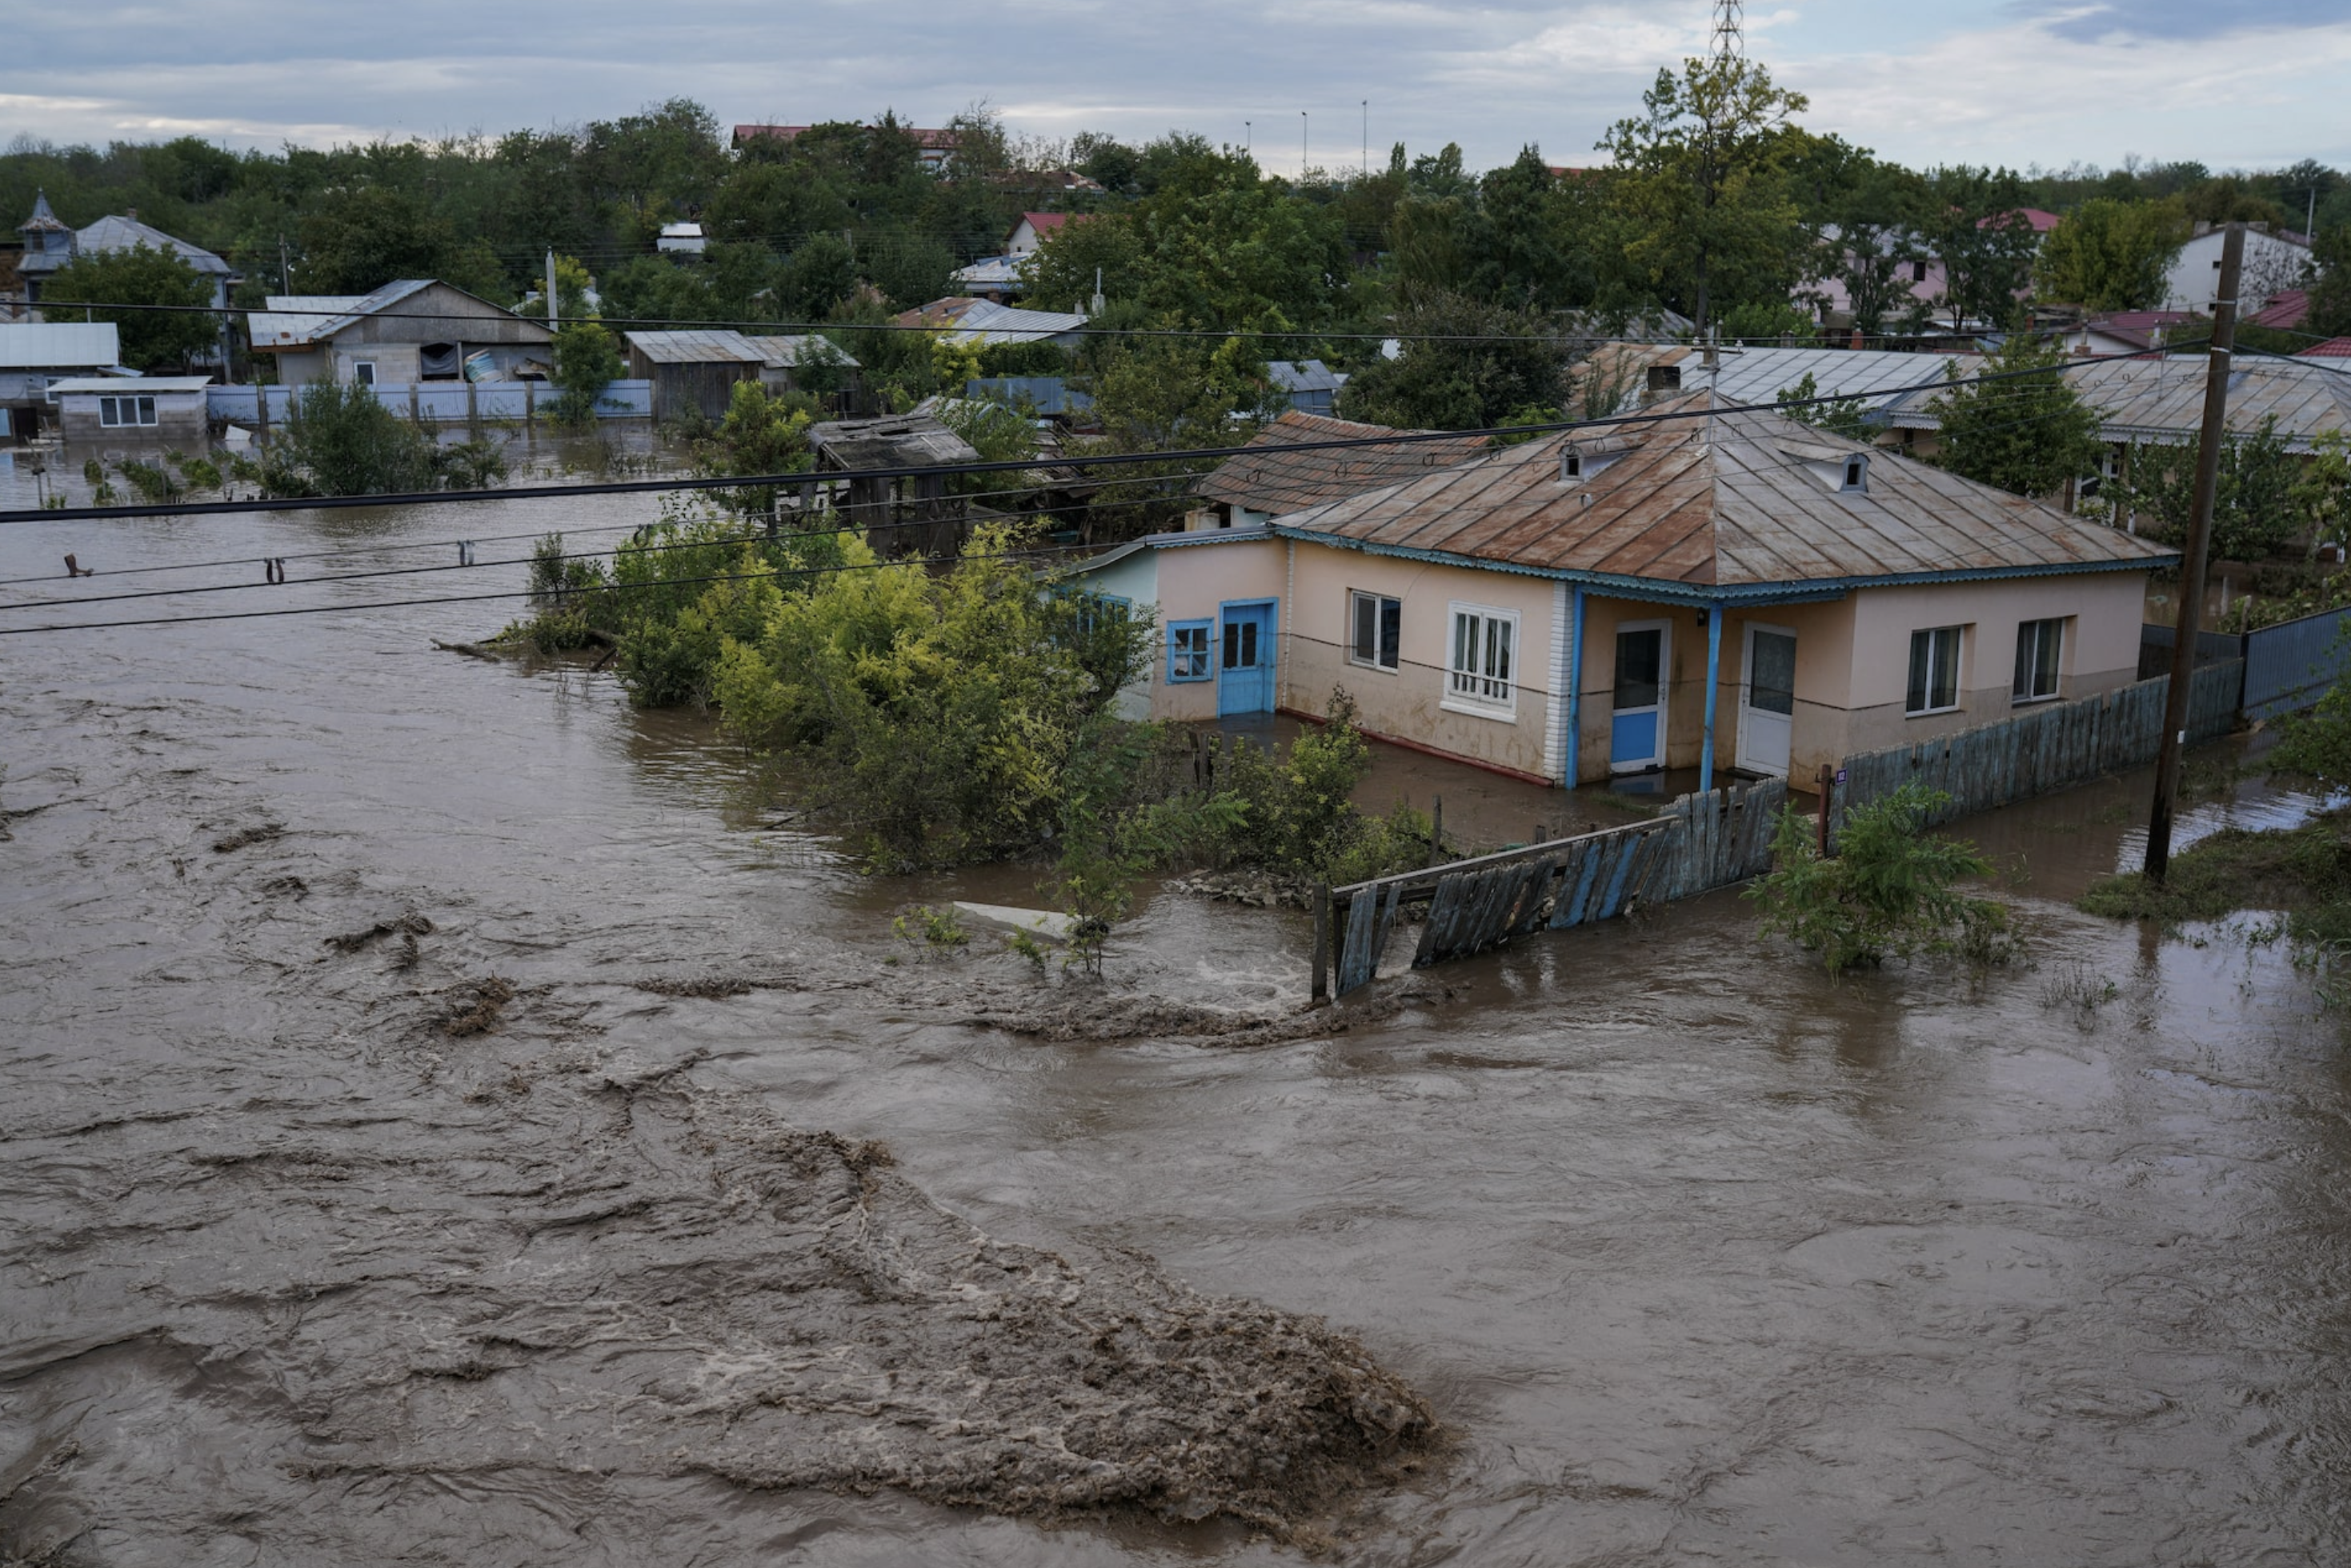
(1555, 709)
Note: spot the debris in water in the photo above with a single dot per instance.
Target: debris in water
(286, 888)
(248, 836)
(1048, 924)
(411, 924)
(1154, 1017)
(479, 1005)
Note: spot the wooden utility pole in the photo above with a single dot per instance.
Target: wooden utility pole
(2192, 563)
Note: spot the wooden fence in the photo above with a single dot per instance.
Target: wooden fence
(1467, 906)
(2042, 749)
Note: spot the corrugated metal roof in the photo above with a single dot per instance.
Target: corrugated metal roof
(310, 318)
(117, 233)
(59, 345)
(1758, 375)
(698, 345)
(1304, 376)
(1267, 477)
(2163, 399)
(897, 440)
(111, 385)
(1733, 500)
(985, 321)
(1047, 395)
(785, 349)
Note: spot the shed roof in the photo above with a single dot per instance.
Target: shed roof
(787, 349)
(2163, 399)
(1049, 395)
(696, 346)
(2287, 309)
(59, 345)
(1304, 375)
(896, 441)
(112, 385)
(1267, 476)
(1734, 501)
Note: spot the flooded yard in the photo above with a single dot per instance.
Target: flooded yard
(448, 1116)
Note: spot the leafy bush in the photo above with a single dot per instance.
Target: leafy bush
(1888, 893)
(587, 360)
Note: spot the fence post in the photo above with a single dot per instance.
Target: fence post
(1821, 827)
(1436, 829)
(1322, 987)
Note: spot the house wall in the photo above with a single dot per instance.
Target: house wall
(396, 363)
(1410, 702)
(179, 422)
(2270, 266)
(1195, 582)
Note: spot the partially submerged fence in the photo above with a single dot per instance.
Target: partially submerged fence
(1699, 842)
(2042, 749)
(435, 403)
(2291, 665)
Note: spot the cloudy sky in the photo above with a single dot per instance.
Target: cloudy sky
(2011, 81)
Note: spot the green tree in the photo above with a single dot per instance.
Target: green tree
(1847, 417)
(2111, 255)
(1462, 364)
(152, 340)
(1973, 221)
(1167, 394)
(1702, 181)
(2330, 290)
(2258, 506)
(587, 360)
(356, 240)
(2024, 429)
(338, 440)
(572, 283)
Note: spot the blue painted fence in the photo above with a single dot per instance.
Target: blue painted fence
(434, 403)
(2290, 666)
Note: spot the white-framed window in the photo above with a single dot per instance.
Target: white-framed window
(1375, 629)
(1187, 649)
(2039, 644)
(1934, 672)
(116, 412)
(1481, 669)
(363, 372)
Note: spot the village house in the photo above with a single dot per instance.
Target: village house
(1707, 589)
(964, 320)
(50, 244)
(407, 332)
(36, 355)
(2274, 262)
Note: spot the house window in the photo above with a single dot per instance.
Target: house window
(1188, 650)
(1857, 473)
(1934, 672)
(363, 372)
(1485, 642)
(1375, 628)
(1094, 608)
(2038, 643)
(1918, 272)
(115, 413)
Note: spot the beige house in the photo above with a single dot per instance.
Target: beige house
(415, 330)
(1688, 588)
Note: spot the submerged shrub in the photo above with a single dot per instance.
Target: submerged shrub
(1889, 892)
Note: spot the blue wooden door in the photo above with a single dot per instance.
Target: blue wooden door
(1636, 727)
(1245, 660)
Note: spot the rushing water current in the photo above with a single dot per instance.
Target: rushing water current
(1695, 1254)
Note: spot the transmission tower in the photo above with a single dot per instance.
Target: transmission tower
(1728, 42)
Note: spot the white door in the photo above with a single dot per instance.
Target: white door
(1767, 700)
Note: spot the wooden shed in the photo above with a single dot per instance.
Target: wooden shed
(694, 369)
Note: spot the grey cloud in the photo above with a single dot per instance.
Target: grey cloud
(2179, 19)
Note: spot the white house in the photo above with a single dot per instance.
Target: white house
(133, 410)
(2273, 263)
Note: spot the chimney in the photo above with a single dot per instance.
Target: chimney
(131, 213)
(1856, 337)
(2203, 227)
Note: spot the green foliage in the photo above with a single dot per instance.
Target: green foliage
(2304, 872)
(338, 440)
(572, 283)
(1168, 394)
(1847, 417)
(152, 483)
(1889, 892)
(359, 239)
(938, 932)
(2026, 431)
(201, 473)
(2258, 507)
(2330, 290)
(152, 340)
(2111, 255)
(1972, 221)
(1702, 185)
(1875, 209)
(587, 360)
(1443, 379)
(762, 432)
(1028, 946)
(2318, 744)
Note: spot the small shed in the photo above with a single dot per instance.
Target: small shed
(901, 514)
(680, 240)
(36, 354)
(159, 411)
(695, 369)
(807, 362)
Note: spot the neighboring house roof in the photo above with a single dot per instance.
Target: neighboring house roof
(993, 271)
(121, 232)
(59, 345)
(2041, 222)
(2285, 310)
(897, 440)
(1891, 385)
(787, 349)
(1266, 476)
(1043, 222)
(1304, 375)
(295, 321)
(2332, 348)
(698, 345)
(113, 385)
(2163, 399)
(43, 220)
(985, 321)
(1733, 501)
(1049, 395)
(2137, 328)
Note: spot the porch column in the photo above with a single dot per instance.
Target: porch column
(1713, 684)
(1570, 753)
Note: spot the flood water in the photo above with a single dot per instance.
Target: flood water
(1697, 1254)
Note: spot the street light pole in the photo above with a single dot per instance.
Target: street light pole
(2192, 563)
(1301, 144)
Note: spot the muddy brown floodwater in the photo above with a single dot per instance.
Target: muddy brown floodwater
(447, 1116)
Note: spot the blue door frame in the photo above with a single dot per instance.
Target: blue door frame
(1245, 657)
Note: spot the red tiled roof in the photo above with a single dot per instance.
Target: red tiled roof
(2332, 348)
(933, 141)
(2286, 310)
(1265, 478)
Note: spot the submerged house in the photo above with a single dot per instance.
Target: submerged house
(404, 333)
(1691, 589)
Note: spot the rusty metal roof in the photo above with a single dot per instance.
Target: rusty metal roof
(1264, 477)
(1730, 500)
(894, 441)
(2163, 399)
(696, 346)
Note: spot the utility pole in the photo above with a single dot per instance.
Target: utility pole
(1301, 144)
(2192, 563)
(551, 322)
(1367, 138)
